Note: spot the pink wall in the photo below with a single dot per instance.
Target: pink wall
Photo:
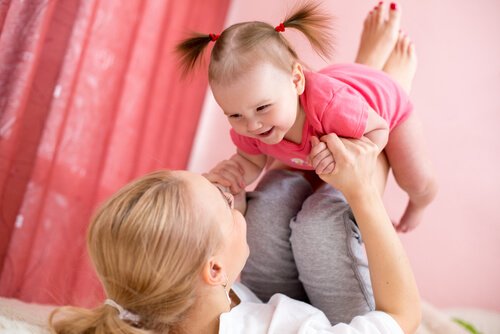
(456, 252)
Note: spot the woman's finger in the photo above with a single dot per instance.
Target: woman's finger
(335, 145)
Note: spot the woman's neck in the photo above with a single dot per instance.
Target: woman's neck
(205, 314)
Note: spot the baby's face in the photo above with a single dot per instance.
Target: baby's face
(262, 104)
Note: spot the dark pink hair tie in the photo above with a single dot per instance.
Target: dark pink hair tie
(280, 27)
(214, 37)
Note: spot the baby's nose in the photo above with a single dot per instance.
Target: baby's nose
(253, 125)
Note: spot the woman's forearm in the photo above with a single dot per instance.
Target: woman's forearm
(394, 286)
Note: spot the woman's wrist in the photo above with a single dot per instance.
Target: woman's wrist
(361, 194)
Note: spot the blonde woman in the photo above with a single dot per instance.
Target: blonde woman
(168, 248)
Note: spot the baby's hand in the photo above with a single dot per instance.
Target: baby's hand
(321, 158)
(229, 174)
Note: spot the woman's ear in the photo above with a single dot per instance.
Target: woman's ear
(212, 273)
(299, 80)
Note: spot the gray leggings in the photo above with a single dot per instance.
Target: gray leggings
(306, 246)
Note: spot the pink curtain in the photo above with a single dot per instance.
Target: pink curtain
(90, 97)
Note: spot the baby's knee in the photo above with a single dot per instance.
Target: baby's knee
(425, 185)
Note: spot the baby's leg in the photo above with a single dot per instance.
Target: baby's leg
(271, 266)
(330, 257)
(412, 169)
(402, 63)
(379, 36)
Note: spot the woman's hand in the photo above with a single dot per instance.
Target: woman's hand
(355, 161)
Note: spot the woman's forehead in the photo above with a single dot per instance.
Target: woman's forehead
(202, 191)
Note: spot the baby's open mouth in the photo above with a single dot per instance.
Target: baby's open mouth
(267, 133)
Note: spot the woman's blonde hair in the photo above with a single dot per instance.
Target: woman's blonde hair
(243, 45)
(148, 246)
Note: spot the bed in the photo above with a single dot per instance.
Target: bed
(18, 317)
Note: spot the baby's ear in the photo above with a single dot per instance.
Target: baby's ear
(299, 79)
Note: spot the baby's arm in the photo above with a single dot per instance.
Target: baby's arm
(377, 129)
(238, 171)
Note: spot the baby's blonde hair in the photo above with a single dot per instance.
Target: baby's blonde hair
(246, 44)
(148, 245)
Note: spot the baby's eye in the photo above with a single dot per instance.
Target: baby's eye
(263, 107)
(234, 116)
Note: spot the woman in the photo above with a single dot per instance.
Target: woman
(169, 246)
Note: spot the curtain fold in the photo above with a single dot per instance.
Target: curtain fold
(90, 97)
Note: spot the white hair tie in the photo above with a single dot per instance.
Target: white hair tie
(123, 314)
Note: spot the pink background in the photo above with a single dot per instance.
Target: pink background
(455, 253)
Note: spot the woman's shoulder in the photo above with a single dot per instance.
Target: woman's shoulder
(286, 315)
(280, 315)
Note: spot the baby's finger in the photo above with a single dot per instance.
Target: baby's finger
(314, 141)
(231, 164)
(217, 179)
(318, 149)
(321, 168)
(330, 168)
(230, 167)
(226, 175)
(316, 160)
(234, 179)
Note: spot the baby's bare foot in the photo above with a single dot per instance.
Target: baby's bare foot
(379, 36)
(402, 63)
(411, 218)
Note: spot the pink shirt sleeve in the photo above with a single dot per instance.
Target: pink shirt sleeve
(346, 114)
(246, 144)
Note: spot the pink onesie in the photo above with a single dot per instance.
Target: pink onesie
(336, 100)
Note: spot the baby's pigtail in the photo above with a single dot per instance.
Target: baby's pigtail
(191, 49)
(315, 25)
